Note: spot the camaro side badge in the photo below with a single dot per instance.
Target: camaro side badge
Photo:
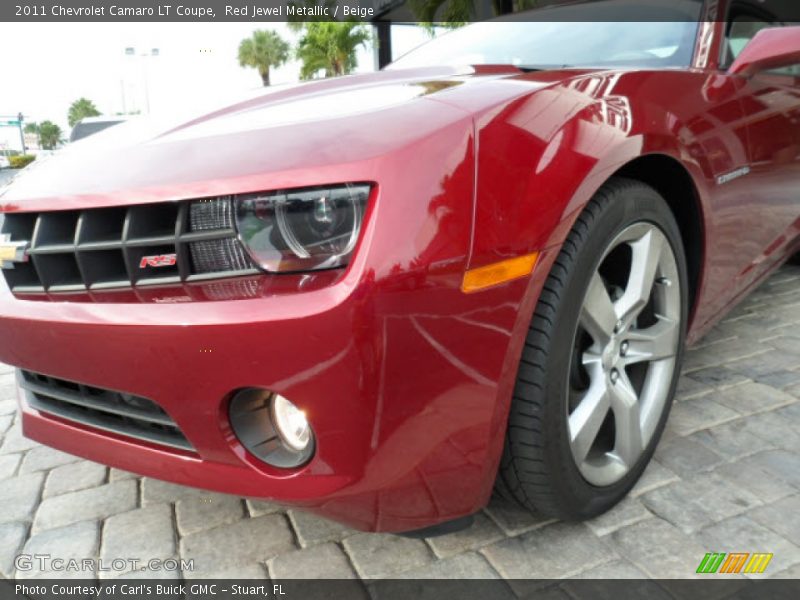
(728, 177)
(12, 252)
(158, 260)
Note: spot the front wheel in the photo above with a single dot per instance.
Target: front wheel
(601, 359)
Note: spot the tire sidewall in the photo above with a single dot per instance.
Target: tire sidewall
(632, 204)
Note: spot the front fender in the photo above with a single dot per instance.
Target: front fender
(544, 155)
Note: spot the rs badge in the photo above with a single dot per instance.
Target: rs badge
(158, 260)
(12, 252)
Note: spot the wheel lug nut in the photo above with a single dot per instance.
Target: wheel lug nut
(618, 327)
(614, 376)
(666, 282)
(623, 349)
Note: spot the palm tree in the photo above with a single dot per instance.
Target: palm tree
(264, 49)
(33, 129)
(80, 109)
(49, 135)
(330, 46)
(442, 13)
(451, 14)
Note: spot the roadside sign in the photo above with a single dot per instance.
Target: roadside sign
(10, 121)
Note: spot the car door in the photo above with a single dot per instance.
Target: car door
(771, 106)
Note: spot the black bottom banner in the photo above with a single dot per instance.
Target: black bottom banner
(400, 589)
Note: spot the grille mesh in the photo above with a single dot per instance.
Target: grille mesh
(220, 254)
(124, 247)
(214, 213)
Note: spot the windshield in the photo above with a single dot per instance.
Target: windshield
(539, 44)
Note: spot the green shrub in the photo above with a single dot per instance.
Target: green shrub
(18, 162)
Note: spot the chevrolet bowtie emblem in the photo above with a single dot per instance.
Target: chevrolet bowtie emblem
(12, 252)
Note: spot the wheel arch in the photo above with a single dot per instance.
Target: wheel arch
(672, 180)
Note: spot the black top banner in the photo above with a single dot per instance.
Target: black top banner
(406, 11)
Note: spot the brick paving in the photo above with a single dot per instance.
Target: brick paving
(726, 477)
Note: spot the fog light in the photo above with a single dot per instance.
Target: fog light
(271, 428)
(291, 423)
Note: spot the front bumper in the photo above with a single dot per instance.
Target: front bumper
(405, 380)
(406, 384)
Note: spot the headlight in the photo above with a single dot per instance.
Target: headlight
(304, 229)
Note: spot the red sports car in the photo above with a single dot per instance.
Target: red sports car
(365, 295)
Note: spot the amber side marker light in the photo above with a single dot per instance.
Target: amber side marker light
(499, 272)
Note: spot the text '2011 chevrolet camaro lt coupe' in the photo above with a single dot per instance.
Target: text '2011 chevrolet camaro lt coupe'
(380, 297)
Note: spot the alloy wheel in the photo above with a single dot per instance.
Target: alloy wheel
(624, 354)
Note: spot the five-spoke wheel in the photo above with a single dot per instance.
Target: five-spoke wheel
(601, 358)
(624, 353)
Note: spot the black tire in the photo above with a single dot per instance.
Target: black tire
(537, 469)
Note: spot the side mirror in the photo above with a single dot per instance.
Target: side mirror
(771, 48)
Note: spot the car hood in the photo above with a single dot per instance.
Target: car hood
(273, 139)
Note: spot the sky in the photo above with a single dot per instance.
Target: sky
(46, 66)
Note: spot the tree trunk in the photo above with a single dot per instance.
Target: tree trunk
(265, 77)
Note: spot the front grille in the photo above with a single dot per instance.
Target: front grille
(124, 247)
(125, 414)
